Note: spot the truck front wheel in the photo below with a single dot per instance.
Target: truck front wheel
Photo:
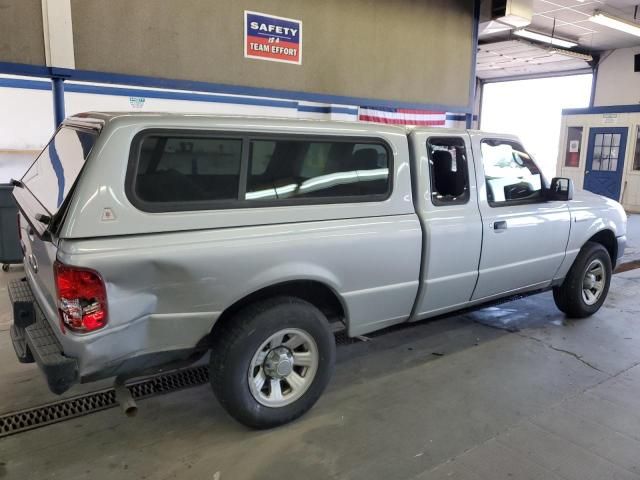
(587, 283)
(271, 362)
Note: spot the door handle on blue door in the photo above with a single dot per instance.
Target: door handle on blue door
(501, 225)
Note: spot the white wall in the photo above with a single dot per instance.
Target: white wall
(26, 118)
(26, 115)
(617, 83)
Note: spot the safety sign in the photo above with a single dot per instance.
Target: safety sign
(267, 37)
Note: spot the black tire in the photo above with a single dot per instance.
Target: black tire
(5, 267)
(236, 342)
(568, 296)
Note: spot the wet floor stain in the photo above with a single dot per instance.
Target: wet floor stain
(514, 319)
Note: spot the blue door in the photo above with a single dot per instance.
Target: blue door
(605, 161)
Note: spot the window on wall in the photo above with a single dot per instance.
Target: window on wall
(188, 169)
(572, 151)
(448, 170)
(606, 149)
(511, 175)
(636, 155)
(302, 169)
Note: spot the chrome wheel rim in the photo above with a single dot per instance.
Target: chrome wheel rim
(593, 282)
(283, 368)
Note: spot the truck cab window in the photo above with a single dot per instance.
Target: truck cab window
(511, 175)
(448, 170)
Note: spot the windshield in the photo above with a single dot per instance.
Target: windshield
(54, 172)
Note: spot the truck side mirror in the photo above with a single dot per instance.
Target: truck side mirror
(560, 189)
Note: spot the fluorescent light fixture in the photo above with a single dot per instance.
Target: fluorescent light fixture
(569, 53)
(615, 23)
(540, 37)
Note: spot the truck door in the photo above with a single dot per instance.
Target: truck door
(446, 202)
(524, 236)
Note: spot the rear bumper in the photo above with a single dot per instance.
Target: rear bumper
(34, 340)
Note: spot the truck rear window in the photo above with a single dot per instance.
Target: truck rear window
(56, 169)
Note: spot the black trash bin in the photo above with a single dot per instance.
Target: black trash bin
(10, 250)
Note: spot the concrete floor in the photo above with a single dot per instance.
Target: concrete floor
(513, 392)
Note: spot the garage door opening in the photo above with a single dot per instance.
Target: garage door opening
(532, 110)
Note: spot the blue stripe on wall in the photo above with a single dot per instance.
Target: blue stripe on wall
(173, 84)
(21, 83)
(328, 109)
(193, 97)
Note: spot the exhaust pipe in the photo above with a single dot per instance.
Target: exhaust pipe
(124, 398)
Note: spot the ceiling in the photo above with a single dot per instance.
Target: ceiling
(572, 22)
(500, 54)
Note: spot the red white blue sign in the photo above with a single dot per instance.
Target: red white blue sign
(267, 37)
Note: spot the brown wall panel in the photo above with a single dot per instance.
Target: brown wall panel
(403, 50)
(21, 37)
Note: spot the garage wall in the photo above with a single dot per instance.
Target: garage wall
(617, 83)
(21, 34)
(389, 50)
(26, 116)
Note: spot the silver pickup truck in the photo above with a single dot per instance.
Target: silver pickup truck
(152, 239)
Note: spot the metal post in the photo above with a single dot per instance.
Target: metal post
(58, 100)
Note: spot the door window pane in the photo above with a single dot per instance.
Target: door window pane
(615, 140)
(606, 151)
(574, 142)
(188, 169)
(511, 175)
(448, 170)
(599, 139)
(295, 169)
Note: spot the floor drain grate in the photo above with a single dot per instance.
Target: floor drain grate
(66, 409)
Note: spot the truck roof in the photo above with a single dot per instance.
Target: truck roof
(96, 118)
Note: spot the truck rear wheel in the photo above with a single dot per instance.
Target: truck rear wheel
(271, 362)
(586, 285)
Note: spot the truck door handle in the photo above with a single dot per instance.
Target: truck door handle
(501, 225)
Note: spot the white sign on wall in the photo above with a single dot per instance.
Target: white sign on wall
(137, 102)
(574, 146)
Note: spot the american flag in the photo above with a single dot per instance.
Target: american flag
(402, 116)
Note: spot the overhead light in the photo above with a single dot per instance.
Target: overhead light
(540, 37)
(569, 53)
(615, 23)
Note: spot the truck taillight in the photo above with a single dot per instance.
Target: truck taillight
(82, 298)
